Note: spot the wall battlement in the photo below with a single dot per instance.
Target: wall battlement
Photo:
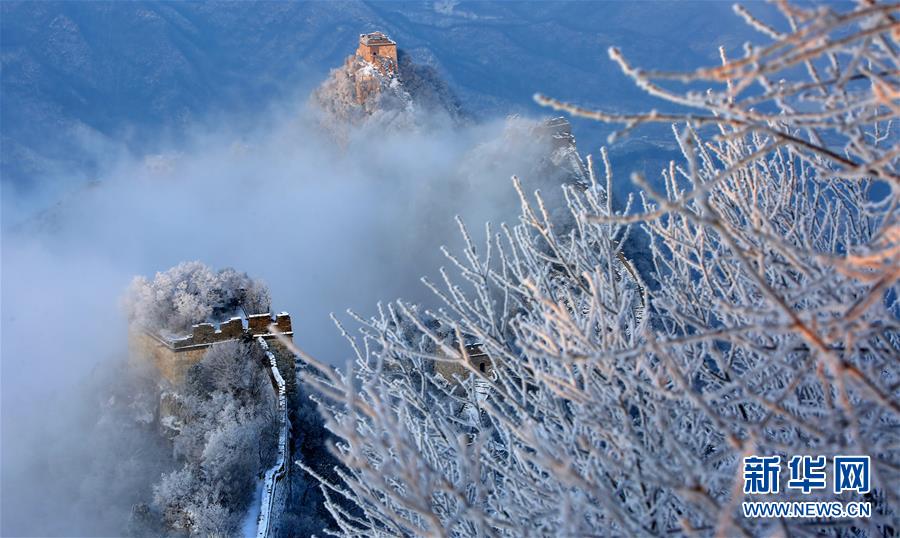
(478, 360)
(205, 334)
(378, 49)
(174, 356)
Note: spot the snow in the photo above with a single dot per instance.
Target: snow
(274, 474)
(172, 423)
(251, 518)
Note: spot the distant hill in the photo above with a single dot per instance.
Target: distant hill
(82, 80)
(387, 92)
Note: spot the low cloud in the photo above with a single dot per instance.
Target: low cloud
(328, 227)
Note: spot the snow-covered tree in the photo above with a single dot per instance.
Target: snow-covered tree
(616, 407)
(225, 444)
(192, 293)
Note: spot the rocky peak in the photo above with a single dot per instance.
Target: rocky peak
(380, 84)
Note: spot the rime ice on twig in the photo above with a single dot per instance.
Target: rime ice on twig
(619, 402)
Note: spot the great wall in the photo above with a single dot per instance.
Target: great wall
(376, 50)
(379, 50)
(273, 495)
(173, 357)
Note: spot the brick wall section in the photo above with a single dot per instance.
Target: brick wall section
(173, 364)
(378, 49)
(204, 333)
(232, 328)
(173, 358)
(283, 322)
(259, 323)
(285, 361)
(477, 358)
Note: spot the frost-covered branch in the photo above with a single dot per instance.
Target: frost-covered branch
(621, 403)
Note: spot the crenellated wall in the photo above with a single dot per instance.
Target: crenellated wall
(274, 495)
(378, 49)
(173, 357)
(478, 360)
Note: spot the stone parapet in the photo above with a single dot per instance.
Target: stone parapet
(173, 357)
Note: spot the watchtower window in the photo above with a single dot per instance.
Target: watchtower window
(481, 367)
(374, 52)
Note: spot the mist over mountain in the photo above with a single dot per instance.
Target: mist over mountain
(88, 80)
(326, 227)
(384, 93)
(136, 136)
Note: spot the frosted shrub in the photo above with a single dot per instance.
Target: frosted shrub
(192, 293)
(225, 444)
(622, 404)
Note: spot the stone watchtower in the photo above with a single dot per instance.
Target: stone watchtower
(378, 49)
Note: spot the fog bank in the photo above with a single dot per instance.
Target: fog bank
(328, 227)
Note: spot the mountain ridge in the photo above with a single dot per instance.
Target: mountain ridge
(384, 92)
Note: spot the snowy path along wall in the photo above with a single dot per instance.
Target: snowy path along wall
(277, 472)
